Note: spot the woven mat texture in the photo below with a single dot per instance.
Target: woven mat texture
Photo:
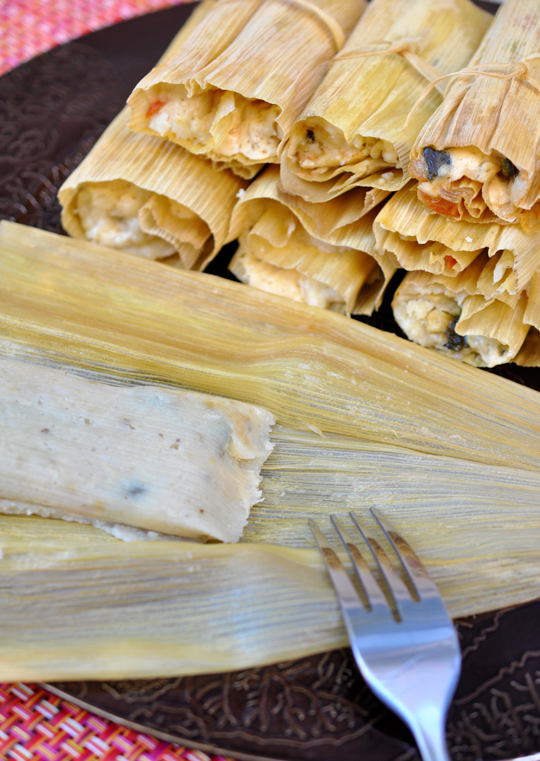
(38, 726)
(35, 725)
(30, 27)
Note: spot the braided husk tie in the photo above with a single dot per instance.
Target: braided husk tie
(404, 47)
(518, 71)
(331, 24)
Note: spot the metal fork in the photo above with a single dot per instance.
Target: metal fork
(409, 656)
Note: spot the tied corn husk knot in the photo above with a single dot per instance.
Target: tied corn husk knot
(405, 47)
(518, 70)
(331, 24)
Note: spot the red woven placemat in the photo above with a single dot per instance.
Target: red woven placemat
(30, 27)
(38, 726)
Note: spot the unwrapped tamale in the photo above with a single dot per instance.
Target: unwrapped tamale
(149, 197)
(286, 250)
(448, 314)
(73, 301)
(505, 258)
(161, 459)
(477, 156)
(233, 90)
(354, 130)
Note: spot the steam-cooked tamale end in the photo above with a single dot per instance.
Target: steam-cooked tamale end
(495, 259)
(438, 313)
(359, 126)
(160, 459)
(307, 252)
(234, 88)
(476, 157)
(148, 197)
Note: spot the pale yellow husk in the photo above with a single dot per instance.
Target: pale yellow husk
(284, 249)
(362, 104)
(308, 366)
(101, 608)
(104, 609)
(505, 258)
(494, 118)
(242, 75)
(149, 197)
(431, 309)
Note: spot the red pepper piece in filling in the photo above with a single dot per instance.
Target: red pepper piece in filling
(440, 205)
(450, 261)
(154, 107)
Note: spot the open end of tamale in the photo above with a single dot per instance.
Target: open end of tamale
(475, 157)
(361, 122)
(232, 91)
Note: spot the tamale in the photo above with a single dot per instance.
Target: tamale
(477, 156)
(233, 90)
(447, 314)
(354, 130)
(279, 254)
(78, 604)
(149, 197)
(75, 302)
(165, 460)
(505, 258)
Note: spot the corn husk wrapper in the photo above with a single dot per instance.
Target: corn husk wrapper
(311, 368)
(243, 75)
(95, 601)
(488, 119)
(149, 197)
(280, 255)
(105, 609)
(166, 460)
(432, 309)
(505, 258)
(346, 143)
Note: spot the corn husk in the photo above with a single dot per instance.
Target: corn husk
(85, 305)
(104, 609)
(434, 310)
(78, 604)
(501, 259)
(369, 98)
(149, 197)
(280, 255)
(496, 118)
(246, 71)
(165, 460)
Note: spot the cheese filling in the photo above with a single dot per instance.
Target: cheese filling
(109, 215)
(317, 147)
(289, 283)
(224, 123)
(429, 318)
(466, 174)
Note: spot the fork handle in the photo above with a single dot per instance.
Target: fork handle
(429, 732)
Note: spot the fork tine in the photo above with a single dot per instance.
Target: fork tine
(401, 594)
(410, 561)
(374, 595)
(347, 594)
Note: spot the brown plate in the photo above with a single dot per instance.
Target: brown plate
(52, 110)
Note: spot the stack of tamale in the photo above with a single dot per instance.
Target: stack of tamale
(473, 237)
